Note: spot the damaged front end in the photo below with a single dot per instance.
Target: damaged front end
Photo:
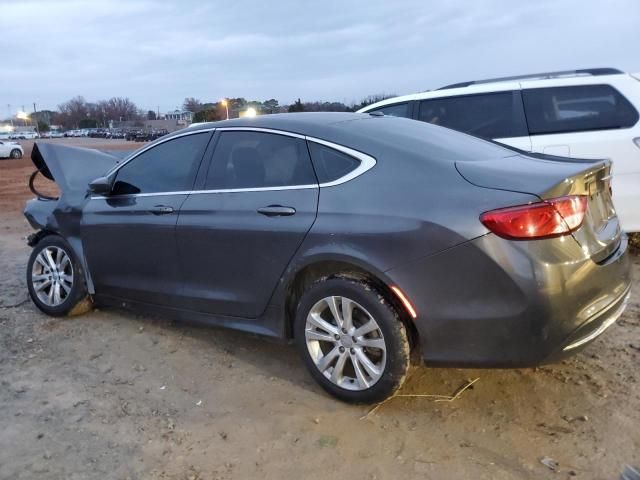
(72, 169)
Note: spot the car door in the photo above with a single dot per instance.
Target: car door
(4, 150)
(129, 235)
(238, 234)
(497, 116)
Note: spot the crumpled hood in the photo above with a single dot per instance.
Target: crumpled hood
(72, 168)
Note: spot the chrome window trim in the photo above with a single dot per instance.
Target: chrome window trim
(200, 192)
(263, 130)
(367, 162)
(160, 141)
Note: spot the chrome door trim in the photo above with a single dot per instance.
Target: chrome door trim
(199, 192)
(263, 130)
(367, 162)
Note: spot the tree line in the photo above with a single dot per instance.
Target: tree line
(79, 113)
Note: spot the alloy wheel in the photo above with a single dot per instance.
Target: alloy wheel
(345, 343)
(52, 276)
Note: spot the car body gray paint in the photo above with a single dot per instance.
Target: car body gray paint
(413, 221)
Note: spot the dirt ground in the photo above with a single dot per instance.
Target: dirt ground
(113, 395)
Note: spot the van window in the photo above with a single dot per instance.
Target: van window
(396, 110)
(577, 108)
(491, 115)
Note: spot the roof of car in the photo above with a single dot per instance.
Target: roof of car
(563, 78)
(304, 123)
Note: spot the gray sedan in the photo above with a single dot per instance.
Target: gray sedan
(368, 240)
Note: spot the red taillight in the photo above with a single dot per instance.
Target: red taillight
(550, 218)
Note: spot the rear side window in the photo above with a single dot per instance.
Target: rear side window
(168, 167)
(577, 108)
(331, 164)
(494, 115)
(397, 110)
(258, 160)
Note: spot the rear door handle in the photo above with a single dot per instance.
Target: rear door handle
(161, 210)
(277, 211)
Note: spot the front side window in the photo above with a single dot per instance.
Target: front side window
(258, 160)
(397, 110)
(491, 115)
(168, 167)
(577, 108)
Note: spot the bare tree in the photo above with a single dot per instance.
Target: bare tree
(73, 111)
(119, 108)
(192, 104)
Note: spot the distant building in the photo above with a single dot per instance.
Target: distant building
(171, 125)
(181, 115)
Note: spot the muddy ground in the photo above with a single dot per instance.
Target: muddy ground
(113, 395)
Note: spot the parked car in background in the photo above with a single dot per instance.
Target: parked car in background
(590, 113)
(51, 134)
(364, 238)
(131, 135)
(10, 149)
(24, 135)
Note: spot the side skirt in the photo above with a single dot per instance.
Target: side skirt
(270, 324)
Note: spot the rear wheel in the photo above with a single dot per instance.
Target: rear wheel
(54, 277)
(16, 153)
(352, 341)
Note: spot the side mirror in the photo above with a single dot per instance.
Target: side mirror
(100, 186)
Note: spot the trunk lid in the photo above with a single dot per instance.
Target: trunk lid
(548, 176)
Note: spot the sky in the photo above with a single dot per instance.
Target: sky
(159, 52)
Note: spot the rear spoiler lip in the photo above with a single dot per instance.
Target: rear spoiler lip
(502, 174)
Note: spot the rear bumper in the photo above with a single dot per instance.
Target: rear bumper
(495, 303)
(592, 329)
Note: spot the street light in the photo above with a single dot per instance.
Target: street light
(22, 116)
(226, 106)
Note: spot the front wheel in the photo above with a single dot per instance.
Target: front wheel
(352, 340)
(15, 153)
(54, 277)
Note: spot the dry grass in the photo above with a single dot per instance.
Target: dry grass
(634, 243)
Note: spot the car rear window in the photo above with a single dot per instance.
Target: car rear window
(577, 108)
(330, 164)
(492, 115)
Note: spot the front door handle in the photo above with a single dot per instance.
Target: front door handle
(277, 211)
(161, 210)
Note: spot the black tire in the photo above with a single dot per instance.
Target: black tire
(78, 290)
(15, 154)
(393, 332)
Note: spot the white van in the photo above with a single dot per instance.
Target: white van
(590, 113)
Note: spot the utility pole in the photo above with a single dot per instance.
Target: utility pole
(9, 112)
(35, 118)
(158, 116)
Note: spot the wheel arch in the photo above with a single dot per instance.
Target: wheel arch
(304, 276)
